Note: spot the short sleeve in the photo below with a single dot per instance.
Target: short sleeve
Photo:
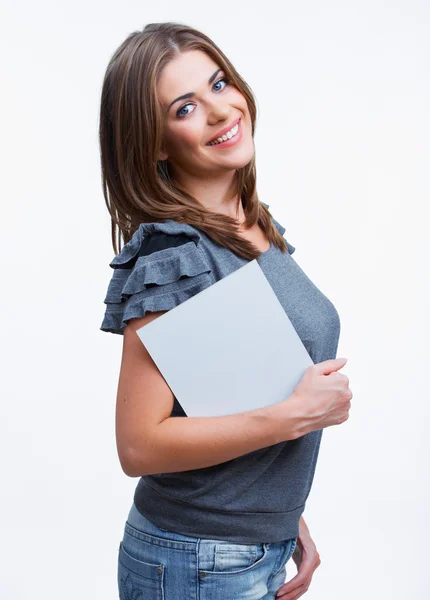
(159, 268)
(281, 230)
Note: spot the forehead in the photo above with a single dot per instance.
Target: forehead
(186, 73)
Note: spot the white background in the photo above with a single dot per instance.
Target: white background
(343, 155)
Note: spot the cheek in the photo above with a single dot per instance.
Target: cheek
(240, 100)
(183, 136)
(191, 136)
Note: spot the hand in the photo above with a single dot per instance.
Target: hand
(307, 560)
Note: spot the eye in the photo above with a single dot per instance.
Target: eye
(222, 79)
(180, 114)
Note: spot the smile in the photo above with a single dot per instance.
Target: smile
(229, 138)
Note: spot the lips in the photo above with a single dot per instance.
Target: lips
(224, 131)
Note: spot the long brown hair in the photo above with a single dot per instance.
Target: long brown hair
(136, 185)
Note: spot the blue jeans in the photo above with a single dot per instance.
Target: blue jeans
(155, 564)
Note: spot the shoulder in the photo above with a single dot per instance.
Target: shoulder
(161, 266)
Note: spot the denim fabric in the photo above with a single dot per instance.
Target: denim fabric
(155, 564)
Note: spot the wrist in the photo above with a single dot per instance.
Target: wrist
(287, 422)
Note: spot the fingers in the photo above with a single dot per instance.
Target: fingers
(295, 585)
(293, 594)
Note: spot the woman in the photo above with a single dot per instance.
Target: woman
(217, 511)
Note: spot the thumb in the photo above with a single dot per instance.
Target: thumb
(328, 366)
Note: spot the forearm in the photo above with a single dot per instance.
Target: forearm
(185, 443)
(303, 528)
(304, 534)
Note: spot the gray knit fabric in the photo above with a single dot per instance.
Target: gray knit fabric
(260, 496)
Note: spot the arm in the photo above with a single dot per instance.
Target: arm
(150, 441)
(307, 560)
(184, 443)
(304, 535)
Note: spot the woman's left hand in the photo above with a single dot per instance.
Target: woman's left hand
(307, 560)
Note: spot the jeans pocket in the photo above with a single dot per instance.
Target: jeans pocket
(280, 571)
(137, 577)
(292, 548)
(237, 558)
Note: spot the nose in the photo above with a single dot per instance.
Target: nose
(217, 111)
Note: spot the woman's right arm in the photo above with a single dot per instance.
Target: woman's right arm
(150, 441)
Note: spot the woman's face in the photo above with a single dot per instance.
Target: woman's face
(211, 106)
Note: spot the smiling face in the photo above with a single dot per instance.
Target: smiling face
(211, 105)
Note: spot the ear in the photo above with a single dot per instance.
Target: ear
(163, 156)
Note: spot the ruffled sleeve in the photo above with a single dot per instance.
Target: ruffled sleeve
(281, 230)
(160, 267)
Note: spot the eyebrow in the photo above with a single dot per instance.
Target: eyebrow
(191, 94)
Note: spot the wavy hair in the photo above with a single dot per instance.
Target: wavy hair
(136, 185)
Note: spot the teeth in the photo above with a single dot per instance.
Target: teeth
(226, 136)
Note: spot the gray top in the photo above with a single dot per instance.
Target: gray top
(260, 496)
